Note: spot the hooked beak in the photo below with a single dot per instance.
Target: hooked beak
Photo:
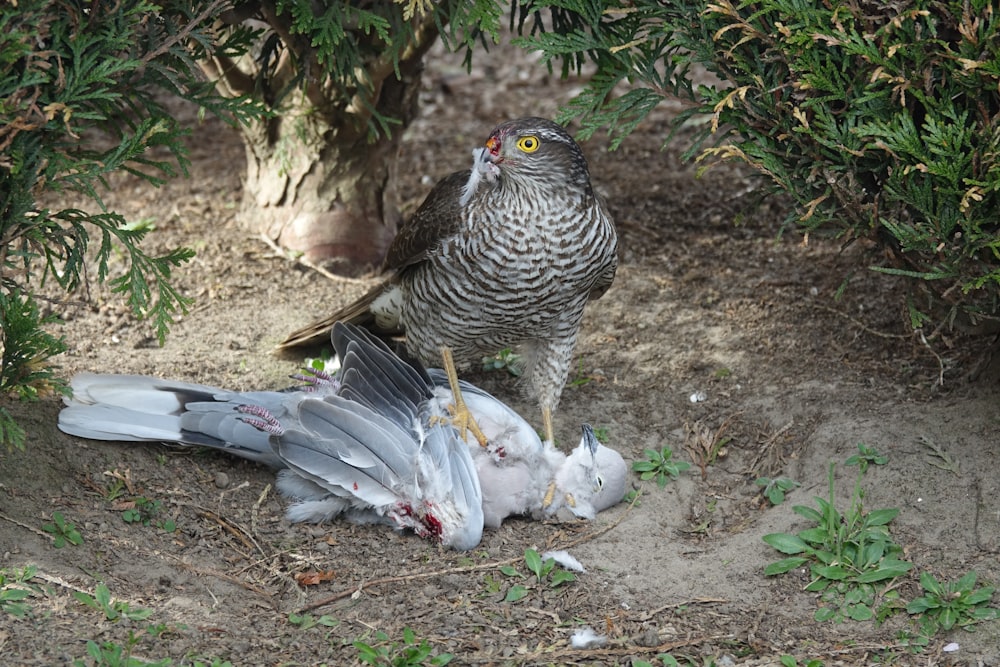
(492, 152)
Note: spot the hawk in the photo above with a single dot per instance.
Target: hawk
(505, 255)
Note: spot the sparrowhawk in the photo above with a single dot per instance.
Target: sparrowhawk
(504, 255)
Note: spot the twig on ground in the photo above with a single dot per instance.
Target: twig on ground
(300, 259)
(416, 576)
(40, 533)
(858, 324)
(675, 605)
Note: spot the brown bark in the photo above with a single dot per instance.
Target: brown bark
(321, 189)
(315, 183)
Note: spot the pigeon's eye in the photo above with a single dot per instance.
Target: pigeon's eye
(600, 482)
(528, 144)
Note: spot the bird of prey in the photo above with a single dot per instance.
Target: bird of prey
(371, 444)
(504, 255)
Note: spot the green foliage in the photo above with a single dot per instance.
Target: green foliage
(775, 489)
(543, 570)
(111, 654)
(865, 457)
(665, 659)
(939, 457)
(143, 511)
(790, 661)
(385, 653)
(957, 604)
(63, 531)
(307, 621)
(113, 610)
(80, 91)
(882, 122)
(15, 588)
(505, 359)
(340, 53)
(659, 465)
(851, 556)
(630, 42)
(25, 348)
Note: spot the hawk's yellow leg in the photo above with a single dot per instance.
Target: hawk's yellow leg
(547, 422)
(461, 418)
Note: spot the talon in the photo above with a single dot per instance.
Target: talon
(461, 418)
(570, 500)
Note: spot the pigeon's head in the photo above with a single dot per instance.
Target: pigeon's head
(593, 478)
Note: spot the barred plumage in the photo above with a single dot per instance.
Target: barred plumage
(510, 264)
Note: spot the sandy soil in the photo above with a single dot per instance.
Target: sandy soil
(708, 299)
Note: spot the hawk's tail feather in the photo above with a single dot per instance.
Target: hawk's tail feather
(317, 333)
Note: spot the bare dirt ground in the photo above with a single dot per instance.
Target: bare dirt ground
(792, 380)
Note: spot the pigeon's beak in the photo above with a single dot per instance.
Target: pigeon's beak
(590, 439)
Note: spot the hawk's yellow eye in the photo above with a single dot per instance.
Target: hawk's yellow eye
(528, 144)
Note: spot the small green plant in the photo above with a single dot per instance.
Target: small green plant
(209, 662)
(115, 489)
(324, 363)
(111, 654)
(939, 457)
(14, 589)
(775, 489)
(665, 659)
(659, 465)
(848, 554)
(409, 653)
(957, 604)
(542, 569)
(602, 435)
(144, 511)
(505, 359)
(517, 591)
(113, 609)
(546, 568)
(790, 661)
(307, 621)
(63, 531)
(581, 378)
(866, 456)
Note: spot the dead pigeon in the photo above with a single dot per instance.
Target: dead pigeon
(373, 444)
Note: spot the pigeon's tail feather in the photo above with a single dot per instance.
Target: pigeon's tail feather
(134, 408)
(111, 422)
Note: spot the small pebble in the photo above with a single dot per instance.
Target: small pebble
(221, 480)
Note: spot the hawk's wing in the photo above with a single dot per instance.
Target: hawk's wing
(439, 216)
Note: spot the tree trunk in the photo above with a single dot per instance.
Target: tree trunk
(319, 186)
(318, 182)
